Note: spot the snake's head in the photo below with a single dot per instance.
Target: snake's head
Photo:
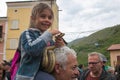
(60, 35)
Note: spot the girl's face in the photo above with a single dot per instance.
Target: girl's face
(44, 20)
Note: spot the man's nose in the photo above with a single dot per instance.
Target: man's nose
(77, 73)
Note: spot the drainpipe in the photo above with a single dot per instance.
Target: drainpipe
(5, 38)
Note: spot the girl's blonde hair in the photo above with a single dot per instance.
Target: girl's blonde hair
(37, 9)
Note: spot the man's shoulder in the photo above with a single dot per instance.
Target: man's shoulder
(44, 76)
(84, 74)
(107, 76)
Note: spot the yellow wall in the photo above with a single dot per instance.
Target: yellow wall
(23, 16)
(113, 57)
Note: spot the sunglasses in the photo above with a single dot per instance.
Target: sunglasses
(93, 63)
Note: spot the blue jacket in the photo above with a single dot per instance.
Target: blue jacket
(44, 76)
(32, 44)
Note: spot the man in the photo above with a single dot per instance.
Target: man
(66, 65)
(5, 70)
(95, 70)
(2, 72)
(104, 59)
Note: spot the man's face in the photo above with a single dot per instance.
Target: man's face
(71, 71)
(94, 64)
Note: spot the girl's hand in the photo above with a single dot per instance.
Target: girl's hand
(54, 32)
(59, 41)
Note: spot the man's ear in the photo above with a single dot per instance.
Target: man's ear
(57, 68)
(101, 63)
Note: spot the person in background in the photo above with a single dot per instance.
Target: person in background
(81, 68)
(111, 70)
(117, 71)
(5, 70)
(105, 67)
(34, 40)
(95, 69)
(2, 72)
(7, 66)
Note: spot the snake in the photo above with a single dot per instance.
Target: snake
(48, 61)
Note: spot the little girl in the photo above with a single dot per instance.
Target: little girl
(34, 40)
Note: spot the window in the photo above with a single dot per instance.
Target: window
(118, 59)
(14, 24)
(13, 43)
(0, 31)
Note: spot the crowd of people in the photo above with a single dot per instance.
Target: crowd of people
(66, 68)
(61, 61)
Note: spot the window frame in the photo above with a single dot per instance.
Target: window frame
(15, 24)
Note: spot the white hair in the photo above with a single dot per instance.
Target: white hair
(62, 53)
